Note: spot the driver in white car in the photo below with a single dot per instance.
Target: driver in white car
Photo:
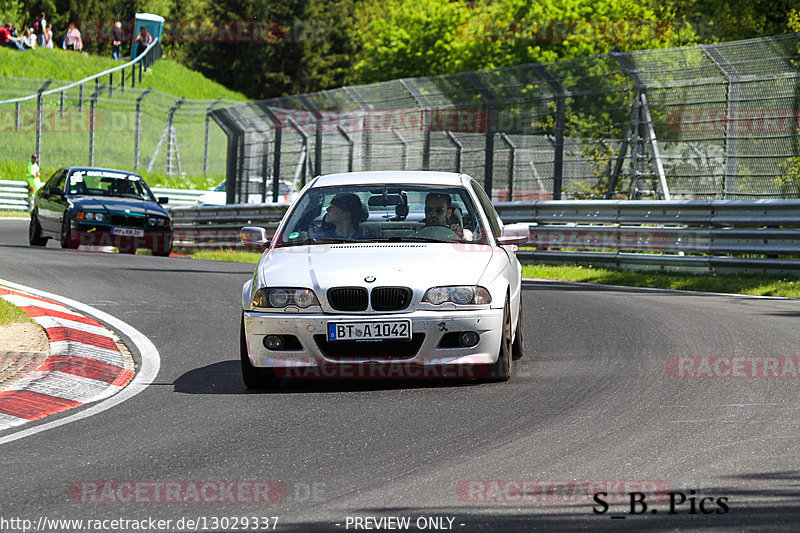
(439, 211)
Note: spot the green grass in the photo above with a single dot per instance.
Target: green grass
(227, 255)
(10, 313)
(753, 284)
(165, 75)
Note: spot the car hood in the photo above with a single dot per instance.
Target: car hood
(417, 265)
(117, 205)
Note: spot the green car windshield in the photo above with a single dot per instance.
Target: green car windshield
(98, 183)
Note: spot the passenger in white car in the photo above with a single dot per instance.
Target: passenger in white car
(342, 218)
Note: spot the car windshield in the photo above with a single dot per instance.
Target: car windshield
(383, 213)
(102, 183)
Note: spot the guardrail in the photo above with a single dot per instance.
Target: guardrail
(214, 227)
(693, 235)
(699, 236)
(178, 196)
(14, 195)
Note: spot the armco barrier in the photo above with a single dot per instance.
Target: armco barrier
(214, 227)
(13, 195)
(692, 235)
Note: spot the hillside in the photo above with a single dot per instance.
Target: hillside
(165, 76)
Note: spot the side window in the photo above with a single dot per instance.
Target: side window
(53, 181)
(488, 208)
(62, 180)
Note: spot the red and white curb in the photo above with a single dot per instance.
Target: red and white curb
(85, 363)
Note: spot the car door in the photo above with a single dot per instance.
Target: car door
(50, 207)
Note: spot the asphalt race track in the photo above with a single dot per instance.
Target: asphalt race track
(596, 405)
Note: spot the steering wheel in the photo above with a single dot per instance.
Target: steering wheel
(437, 231)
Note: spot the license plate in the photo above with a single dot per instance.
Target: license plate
(127, 232)
(389, 329)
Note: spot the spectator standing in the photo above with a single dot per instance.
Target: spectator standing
(117, 36)
(48, 38)
(144, 38)
(40, 29)
(72, 40)
(32, 176)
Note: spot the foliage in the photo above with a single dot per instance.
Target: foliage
(10, 10)
(789, 180)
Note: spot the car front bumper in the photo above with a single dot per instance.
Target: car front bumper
(433, 351)
(98, 235)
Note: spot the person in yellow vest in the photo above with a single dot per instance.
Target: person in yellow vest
(32, 177)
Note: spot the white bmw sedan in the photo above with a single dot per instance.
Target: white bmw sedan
(384, 275)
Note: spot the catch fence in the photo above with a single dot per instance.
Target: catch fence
(700, 122)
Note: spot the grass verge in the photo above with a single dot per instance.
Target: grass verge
(752, 284)
(10, 313)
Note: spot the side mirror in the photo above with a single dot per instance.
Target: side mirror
(514, 234)
(55, 191)
(163, 200)
(254, 237)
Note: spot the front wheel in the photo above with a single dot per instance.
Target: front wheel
(501, 369)
(518, 348)
(35, 232)
(253, 377)
(67, 240)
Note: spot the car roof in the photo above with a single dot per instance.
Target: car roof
(391, 177)
(103, 169)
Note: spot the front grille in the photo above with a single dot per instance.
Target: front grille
(384, 349)
(390, 298)
(125, 220)
(348, 298)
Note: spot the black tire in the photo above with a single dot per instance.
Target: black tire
(126, 249)
(501, 370)
(254, 378)
(67, 241)
(162, 253)
(35, 232)
(518, 348)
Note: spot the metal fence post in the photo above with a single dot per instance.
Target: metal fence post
(138, 127)
(511, 165)
(303, 135)
(459, 149)
(365, 138)
(92, 106)
(488, 167)
(39, 116)
(561, 111)
(16, 116)
(404, 163)
(276, 159)
(205, 144)
(427, 120)
(731, 117)
(350, 146)
(317, 133)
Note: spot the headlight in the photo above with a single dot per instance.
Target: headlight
(460, 294)
(280, 297)
(99, 217)
(156, 221)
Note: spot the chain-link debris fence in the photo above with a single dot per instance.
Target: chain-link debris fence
(709, 121)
